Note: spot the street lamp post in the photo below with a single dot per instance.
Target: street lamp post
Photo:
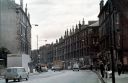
(112, 46)
(38, 56)
(83, 62)
(38, 51)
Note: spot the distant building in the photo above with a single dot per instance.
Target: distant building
(80, 44)
(34, 57)
(46, 53)
(15, 27)
(93, 41)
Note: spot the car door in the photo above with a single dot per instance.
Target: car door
(22, 73)
(25, 74)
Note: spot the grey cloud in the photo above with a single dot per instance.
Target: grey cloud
(51, 33)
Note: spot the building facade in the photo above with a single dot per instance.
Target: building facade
(113, 34)
(93, 42)
(15, 27)
(80, 45)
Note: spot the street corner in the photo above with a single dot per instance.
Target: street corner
(2, 79)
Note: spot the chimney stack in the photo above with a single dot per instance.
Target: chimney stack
(83, 22)
(21, 3)
(101, 4)
(26, 9)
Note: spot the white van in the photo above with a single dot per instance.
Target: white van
(16, 73)
(75, 67)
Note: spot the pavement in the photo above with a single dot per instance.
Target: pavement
(123, 78)
(1, 77)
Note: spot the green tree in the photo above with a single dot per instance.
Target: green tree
(4, 50)
(3, 55)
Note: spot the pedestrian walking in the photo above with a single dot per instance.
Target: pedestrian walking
(107, 70)
(102, 69)
(108, 66)
(119, 67)
(91, 66)
(96, 67)
(36, 68)
(123, 69)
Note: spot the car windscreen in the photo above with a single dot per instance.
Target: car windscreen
(11, 70)
(21, 70)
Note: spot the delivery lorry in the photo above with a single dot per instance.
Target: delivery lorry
(57, 65)
(18, 60)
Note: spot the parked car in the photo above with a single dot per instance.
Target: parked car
(75, 67)
(16, 73)
(85, 67)
(44, 69)
(69, 67)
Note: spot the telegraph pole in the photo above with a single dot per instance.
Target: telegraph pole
(37, 41)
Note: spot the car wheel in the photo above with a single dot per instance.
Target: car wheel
(14, 80)
(27, 77)
(19, 79)
(6, 80)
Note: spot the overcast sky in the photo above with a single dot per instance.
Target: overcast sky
(56, 16)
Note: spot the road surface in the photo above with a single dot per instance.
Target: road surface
(66, 76)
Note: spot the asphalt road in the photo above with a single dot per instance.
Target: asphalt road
(66, 76)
